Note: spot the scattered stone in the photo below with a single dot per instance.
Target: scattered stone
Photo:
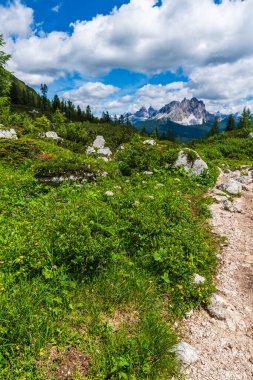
(149, 142)
(104, 151)
(90, 150)
(218, 308)
(232, 187)
(195, 167)
(148, 173)
(98, 147)
(50, 135)
(236, 174)
(197, 279)
(99, 142)
(229, 206)
(8, 134)
(185, 353)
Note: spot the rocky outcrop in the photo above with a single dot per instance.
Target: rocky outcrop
(50, 135)
(98, 147)
(8, 134)
(191, 162)
(232, 187)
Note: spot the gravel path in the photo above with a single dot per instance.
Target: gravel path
(225, 347)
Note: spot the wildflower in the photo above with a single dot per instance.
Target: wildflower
(109, 193)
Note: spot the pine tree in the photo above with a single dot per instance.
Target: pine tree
(230, 123)
(245, 120)
(215, 128)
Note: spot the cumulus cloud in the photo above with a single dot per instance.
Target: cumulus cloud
(211, 43)
(16, 20)
(97, 94)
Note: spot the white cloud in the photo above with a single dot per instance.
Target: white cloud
(97, 94)
(211, 43)
(16, 20)
(56, 8)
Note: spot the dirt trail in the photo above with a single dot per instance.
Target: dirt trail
(225, 347)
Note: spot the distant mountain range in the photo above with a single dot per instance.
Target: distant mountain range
(187, 112)
(185, 120)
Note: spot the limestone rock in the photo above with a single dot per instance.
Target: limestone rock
(99, 142)
(218, 308)
(232, 187)
(8, 134)
(98, 147)
(149, 142)
(185, 353)
(50, 135)
(196, 167)
(245, 179)
(104, 151)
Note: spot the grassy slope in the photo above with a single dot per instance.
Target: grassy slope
(102, 277)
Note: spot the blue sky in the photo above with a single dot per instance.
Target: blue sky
(120, 55)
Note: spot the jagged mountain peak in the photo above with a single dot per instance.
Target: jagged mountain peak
(185, 112)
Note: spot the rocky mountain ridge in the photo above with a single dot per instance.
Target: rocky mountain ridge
(187, 112)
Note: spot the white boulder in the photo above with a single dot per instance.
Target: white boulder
(50, 135)
(99, 142)
(185, 353)
(105, 151)
(8, 134)
(233, 187)
(98, 147)
(218, 308)
(250, 135)
(149, 142)
(195, 167)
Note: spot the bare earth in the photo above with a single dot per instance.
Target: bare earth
(225, 347)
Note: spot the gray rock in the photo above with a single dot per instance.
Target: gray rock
(104, 151)
(90, 150)
(197, 279)
(185, 353)
(149, 142)
(196, 168)
(50, 135)
(250, 135)
(99, 142)
(232, 187)
(229, 206)
(245, 179)
(218, 308)
(8, 134)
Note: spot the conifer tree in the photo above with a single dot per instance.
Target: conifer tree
(230, 123)
(215, 128)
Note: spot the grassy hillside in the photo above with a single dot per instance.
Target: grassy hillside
(98, 257)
